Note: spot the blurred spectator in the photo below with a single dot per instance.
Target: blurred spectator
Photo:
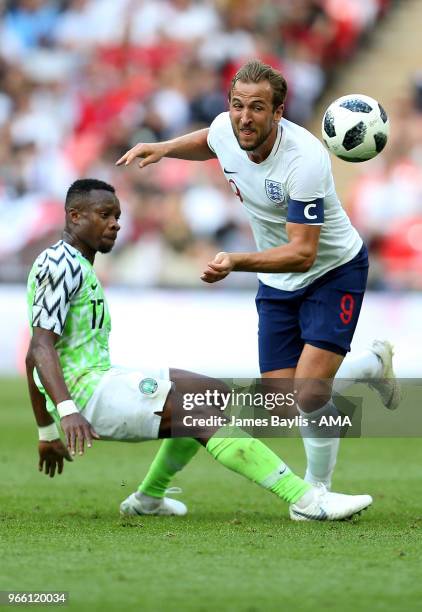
(386, 202)
(29, 24)
(82, 80)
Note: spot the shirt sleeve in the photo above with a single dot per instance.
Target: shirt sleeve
(209, 142)
(307, 190)
(211, 136)
(58, 279)
(307, 179)
(215, 132)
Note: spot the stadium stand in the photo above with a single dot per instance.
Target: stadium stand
(81, 80)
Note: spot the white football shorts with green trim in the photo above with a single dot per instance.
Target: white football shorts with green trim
(124, 404)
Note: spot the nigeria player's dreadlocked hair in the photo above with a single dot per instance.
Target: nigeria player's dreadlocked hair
(82, 187)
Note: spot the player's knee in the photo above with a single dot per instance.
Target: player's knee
(201, 408)
(201, 395)
(313, 395)
(217, 396)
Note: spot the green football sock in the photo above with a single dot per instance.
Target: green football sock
(173, 455)
(254, 460)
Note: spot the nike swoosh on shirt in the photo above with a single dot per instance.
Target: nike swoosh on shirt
(229, 171)
(94, 286)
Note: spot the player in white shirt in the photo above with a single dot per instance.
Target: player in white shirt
(311, 262)
(295, 184)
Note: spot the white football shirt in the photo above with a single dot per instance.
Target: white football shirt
(298, 169)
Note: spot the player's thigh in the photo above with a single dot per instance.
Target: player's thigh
(127, 404)
(328, 319)
(279, 335)
(329, 314)
(195, 406)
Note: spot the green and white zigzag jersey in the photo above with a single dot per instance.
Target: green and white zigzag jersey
(65, 296)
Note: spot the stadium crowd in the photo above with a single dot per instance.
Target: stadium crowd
(82, 80)
(386, 200)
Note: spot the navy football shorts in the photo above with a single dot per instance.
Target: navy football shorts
(323, 314)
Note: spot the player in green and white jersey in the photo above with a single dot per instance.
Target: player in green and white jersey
(71, 379)
(66, 297)
(67, 307)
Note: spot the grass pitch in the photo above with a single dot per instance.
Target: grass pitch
(235, 551)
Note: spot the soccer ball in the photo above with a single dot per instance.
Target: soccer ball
(355, 128)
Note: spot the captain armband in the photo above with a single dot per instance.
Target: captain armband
(309, 213)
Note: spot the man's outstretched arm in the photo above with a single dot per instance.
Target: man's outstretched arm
(43, 356)
(51, 449)
(193, 146)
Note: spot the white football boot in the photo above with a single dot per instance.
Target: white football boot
(318, 504)
(139, 504)
(387, 386)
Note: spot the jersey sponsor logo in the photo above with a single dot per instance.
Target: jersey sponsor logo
(307, 211)
(148, 386)
(275, 192)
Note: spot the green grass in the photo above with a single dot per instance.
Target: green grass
(235, 551)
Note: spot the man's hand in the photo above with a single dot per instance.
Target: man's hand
(150, 153)
(219, 268)
(78, 430)
(51, 457)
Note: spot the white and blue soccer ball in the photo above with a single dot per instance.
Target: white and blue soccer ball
(355, 128)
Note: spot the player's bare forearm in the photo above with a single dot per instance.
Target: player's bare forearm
(279, 259)
(298, 255)
(43, 356)
(51, 453)
(192, 146)
(41, 414)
